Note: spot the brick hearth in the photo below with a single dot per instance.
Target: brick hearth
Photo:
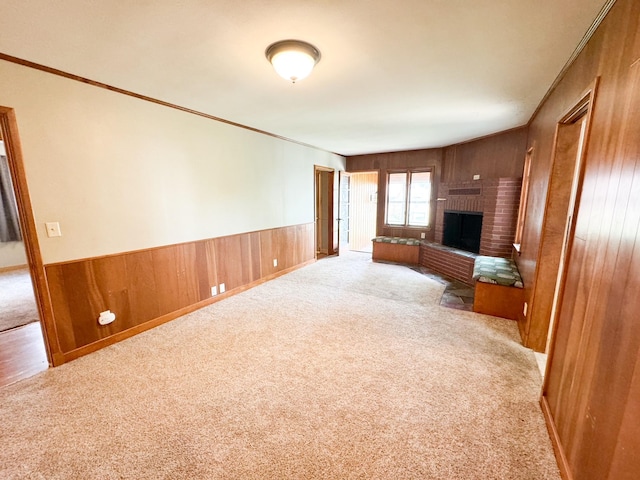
(498, 201)
(449, 261)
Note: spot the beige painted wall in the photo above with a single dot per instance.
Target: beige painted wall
(122, 174)
(12, 254)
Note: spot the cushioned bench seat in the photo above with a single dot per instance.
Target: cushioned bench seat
(396, 249)
(498, 271)
(499, 288)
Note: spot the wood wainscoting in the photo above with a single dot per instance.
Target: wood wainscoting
(149, 287)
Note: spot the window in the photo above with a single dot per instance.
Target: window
(409, 198)
(524, 193)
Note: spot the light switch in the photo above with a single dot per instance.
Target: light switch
(53, 229)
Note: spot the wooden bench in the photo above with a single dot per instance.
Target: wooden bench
(396, 249)
(499, 290)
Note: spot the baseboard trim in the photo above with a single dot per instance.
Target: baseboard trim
(561, 458)
(14, 267)
(143, 327)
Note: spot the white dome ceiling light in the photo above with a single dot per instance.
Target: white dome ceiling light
(292, 59)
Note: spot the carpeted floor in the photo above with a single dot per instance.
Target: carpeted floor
(343, 369)
(17, 303)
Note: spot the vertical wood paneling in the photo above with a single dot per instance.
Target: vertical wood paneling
(268, 251)
(61, 304)
(206, 268)
(107, 280)
(383, 162)
(592, 386)
(141, 287)
(623, 462)
(362, 211)
(495, 156)
(241, 258)
(175, 276)
(295, 245)
(255, 260)
(284, 247)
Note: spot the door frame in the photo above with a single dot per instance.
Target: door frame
(582, 108)
(9, 127)
(332, 248)
(342, 177)
(354, 204)
(537, 326)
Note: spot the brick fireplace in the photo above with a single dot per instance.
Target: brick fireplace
(497, 200)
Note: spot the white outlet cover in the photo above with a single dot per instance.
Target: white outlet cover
(214, 291)
(222, 288)
(275, 262)
(106, 317)
(53, 229)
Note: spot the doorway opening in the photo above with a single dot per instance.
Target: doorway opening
(327, 236)
(23, 350)
(362, 210)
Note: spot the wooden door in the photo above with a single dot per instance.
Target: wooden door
(570, 138)
(326, 234)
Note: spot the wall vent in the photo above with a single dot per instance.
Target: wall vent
(465, 191)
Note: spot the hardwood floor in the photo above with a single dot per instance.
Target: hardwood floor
(22, 353)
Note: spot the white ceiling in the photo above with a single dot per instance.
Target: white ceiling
(394, 75)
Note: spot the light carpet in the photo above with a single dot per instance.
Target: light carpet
(17, 302)
(344, 369)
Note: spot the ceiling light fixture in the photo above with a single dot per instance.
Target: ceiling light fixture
(292, 59)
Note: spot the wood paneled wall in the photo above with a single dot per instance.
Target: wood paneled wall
(383, 162)
(145, 288)
(495, 156)
(591, 397)
(362, 210)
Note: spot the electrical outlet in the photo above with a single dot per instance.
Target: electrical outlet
(222, 288)
(214, 291)
(422, 235)
(275, 262)
(524, 309)
(476, 177)
(106, 317)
